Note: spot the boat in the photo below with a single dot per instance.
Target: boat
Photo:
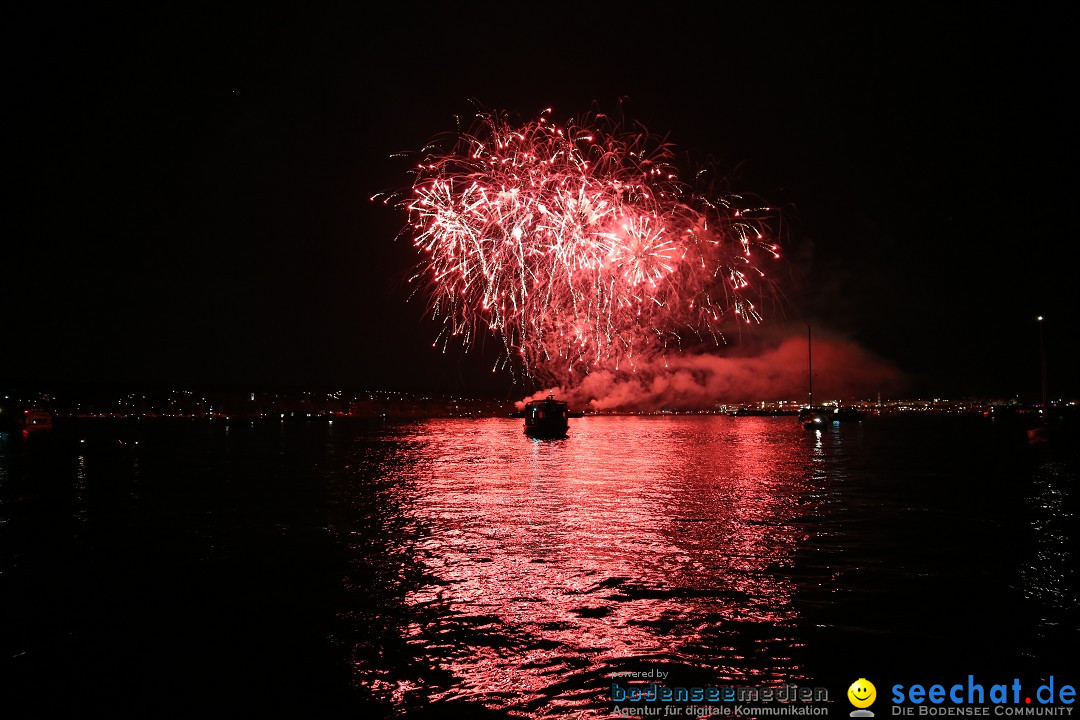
(547, 418)
(762, 412)
(35, 419)
(818, 417)
(812, 418)
(823, 416)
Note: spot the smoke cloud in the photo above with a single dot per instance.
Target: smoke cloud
(843, 371)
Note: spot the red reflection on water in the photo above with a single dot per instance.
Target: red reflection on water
(654, 540)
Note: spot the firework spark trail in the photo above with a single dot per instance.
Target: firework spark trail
(578, 246)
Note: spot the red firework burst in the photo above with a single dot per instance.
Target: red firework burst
(578, 245)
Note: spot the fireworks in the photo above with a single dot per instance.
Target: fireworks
(577, 246)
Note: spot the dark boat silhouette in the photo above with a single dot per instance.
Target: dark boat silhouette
(821, 417)
(548, 418)
(762, 412)
(35, 419)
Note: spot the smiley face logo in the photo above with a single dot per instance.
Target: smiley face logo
(862, 693)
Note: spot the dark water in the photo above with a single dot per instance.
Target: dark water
(368, 570)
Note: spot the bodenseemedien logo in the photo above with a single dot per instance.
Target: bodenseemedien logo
(862, 694)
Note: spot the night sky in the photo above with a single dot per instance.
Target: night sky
(188, 190)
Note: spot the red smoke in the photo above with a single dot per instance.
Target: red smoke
(842, 371)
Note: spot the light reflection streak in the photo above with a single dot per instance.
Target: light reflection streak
(1046, 576)
(543, 565)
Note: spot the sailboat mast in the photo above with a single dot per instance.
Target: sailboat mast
(810, 364)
